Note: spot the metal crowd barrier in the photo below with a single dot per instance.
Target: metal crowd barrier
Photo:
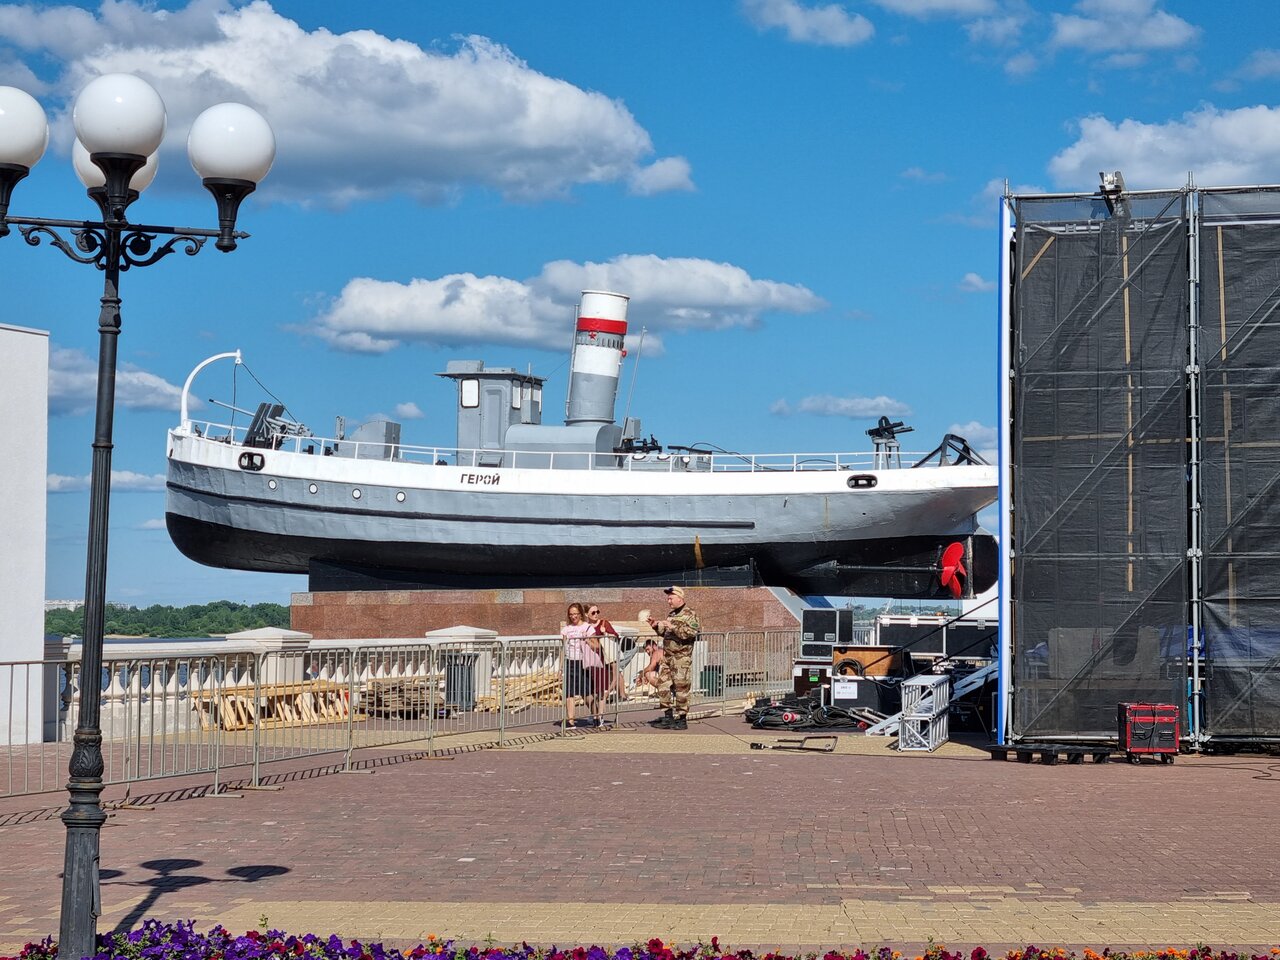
(727, 668)
(175, 713)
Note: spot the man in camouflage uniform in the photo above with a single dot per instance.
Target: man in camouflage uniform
(675, 675)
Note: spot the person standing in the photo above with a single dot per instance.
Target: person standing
(574, 631)
(610, 653)
(679, 630)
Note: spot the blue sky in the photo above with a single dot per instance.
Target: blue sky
(800, 198)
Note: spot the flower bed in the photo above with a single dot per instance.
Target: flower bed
(180, 941)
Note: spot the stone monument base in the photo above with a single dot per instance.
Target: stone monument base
(358, 614)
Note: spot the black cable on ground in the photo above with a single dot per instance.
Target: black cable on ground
(801, 715)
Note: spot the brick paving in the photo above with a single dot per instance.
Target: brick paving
(621, 835)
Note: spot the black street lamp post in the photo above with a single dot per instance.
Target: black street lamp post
(119, 121)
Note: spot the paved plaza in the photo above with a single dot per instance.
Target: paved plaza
(621, 835)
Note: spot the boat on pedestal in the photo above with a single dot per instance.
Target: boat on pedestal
(515, 502)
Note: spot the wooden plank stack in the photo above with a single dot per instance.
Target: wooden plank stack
(540, 688)
(273, 705)
(401, 696)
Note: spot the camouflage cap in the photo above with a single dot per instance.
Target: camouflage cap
(678, 591)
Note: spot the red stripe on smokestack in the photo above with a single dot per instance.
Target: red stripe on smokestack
(603, 326)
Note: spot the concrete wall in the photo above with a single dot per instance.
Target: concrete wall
(24, 406)
(336, 615)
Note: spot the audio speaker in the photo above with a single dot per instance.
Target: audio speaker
(817, 632)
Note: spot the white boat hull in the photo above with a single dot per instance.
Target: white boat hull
(444, 524)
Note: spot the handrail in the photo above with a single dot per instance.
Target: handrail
(689, 462)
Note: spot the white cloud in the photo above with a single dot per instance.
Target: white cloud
(374, 316)
(1021, 64)
(972, 283)
(922, 175)
(669, 173)
(982, 438)
(68, 32)
(73, 386)
(828, 25)
(356, 115)
(122, 481)
(1103, 26)
(995, 31)
(855, 408)
(1261, 65)
(61, 483)
(923, 9)
(989, 519)
(15, 73)
(1221, 147)
(155, 523)
(409, 411)
(984, 206)
(993, 190)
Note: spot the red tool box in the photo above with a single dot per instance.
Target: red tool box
(1148, 729)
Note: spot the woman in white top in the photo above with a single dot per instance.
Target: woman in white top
(576, 654)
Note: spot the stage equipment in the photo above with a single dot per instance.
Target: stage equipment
(1148, 729)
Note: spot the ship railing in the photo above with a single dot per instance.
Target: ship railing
(218, 715)
(673, 461)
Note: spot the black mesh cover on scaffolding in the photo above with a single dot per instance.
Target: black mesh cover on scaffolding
(1240, 351)
(1099, 460)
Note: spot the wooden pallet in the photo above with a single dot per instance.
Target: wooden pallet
(542, 688)
(1051, 753)
(401, 696)
(295, 704)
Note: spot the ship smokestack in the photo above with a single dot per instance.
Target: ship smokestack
(597, 357)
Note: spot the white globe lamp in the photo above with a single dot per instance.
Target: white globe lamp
(24, 131)
(232, 147)
(231, 141)
(120, 120)
(119, 113)
(91, 175)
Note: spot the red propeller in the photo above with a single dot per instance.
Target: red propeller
(951, 570)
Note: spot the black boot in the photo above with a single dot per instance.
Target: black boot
(678, 723)
(663, 721)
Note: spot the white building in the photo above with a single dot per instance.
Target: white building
(24, 409)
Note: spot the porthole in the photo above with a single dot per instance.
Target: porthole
(271, 484)
(355, 494)
(313, 488)
(861, 481)
(400, 497)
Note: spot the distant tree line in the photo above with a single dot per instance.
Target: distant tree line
(923, 608)
(198, 620)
